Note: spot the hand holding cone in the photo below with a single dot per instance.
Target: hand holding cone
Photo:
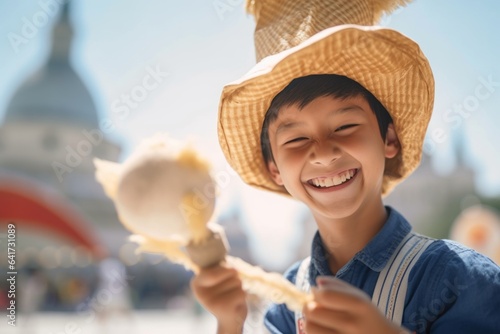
(159, 195)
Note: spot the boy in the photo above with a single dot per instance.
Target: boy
(335, 121)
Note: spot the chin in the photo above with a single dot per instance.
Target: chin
(335, 210)
(339, 211)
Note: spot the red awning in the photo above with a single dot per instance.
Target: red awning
(35, 207)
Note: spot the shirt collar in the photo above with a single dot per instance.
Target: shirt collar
(380, 249)
(374, 255)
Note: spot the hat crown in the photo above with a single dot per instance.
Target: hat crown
(283, 24)
(388, 64)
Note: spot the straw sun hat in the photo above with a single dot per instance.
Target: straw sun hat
(295, 38)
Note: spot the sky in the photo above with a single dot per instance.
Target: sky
(201, 45)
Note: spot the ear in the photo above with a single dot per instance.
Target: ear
(275, 173)
(392, 145)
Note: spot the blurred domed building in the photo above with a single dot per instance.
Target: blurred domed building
(65, 223)
(48, 137)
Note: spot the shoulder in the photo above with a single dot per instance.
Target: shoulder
(452, 257)
(445, 260)
(451, 288)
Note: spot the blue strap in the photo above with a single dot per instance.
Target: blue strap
(392, 284)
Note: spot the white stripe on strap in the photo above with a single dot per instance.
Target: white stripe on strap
(390, 291)
(302, 283)
(392, 284)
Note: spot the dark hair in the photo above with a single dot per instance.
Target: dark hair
(304, 90)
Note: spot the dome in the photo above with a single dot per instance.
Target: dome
(55, 92)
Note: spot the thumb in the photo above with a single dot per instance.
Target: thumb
(333, 283)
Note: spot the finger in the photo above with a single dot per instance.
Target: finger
(233, 294)
(324, 317)
(314, 328)
(230, 284)
(215, 275)
(212, 292)
(339, 300)
(338, 295)
(333, 283)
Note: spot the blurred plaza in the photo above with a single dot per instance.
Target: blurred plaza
(180, 321)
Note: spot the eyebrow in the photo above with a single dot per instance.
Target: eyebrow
(290, 125)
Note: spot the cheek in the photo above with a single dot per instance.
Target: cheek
(290, 166)
(368, 150)
(290, 157)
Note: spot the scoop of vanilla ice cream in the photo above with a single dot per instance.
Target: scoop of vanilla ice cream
(154, 181)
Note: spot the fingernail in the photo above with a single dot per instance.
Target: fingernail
(326, 281)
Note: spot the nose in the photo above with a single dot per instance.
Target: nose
(324, 153)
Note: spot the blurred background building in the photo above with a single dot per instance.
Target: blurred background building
(65, 223)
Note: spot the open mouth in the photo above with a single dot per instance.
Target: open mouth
(334, 181)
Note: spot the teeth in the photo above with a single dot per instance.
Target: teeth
(333, 181)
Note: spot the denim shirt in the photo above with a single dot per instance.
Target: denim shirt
(451, 288)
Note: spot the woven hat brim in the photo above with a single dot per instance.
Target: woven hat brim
(387, 63)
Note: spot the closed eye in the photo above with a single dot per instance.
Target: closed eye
(344, 127)
(295, 140)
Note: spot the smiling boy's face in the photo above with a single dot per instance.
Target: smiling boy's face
(330, 154)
